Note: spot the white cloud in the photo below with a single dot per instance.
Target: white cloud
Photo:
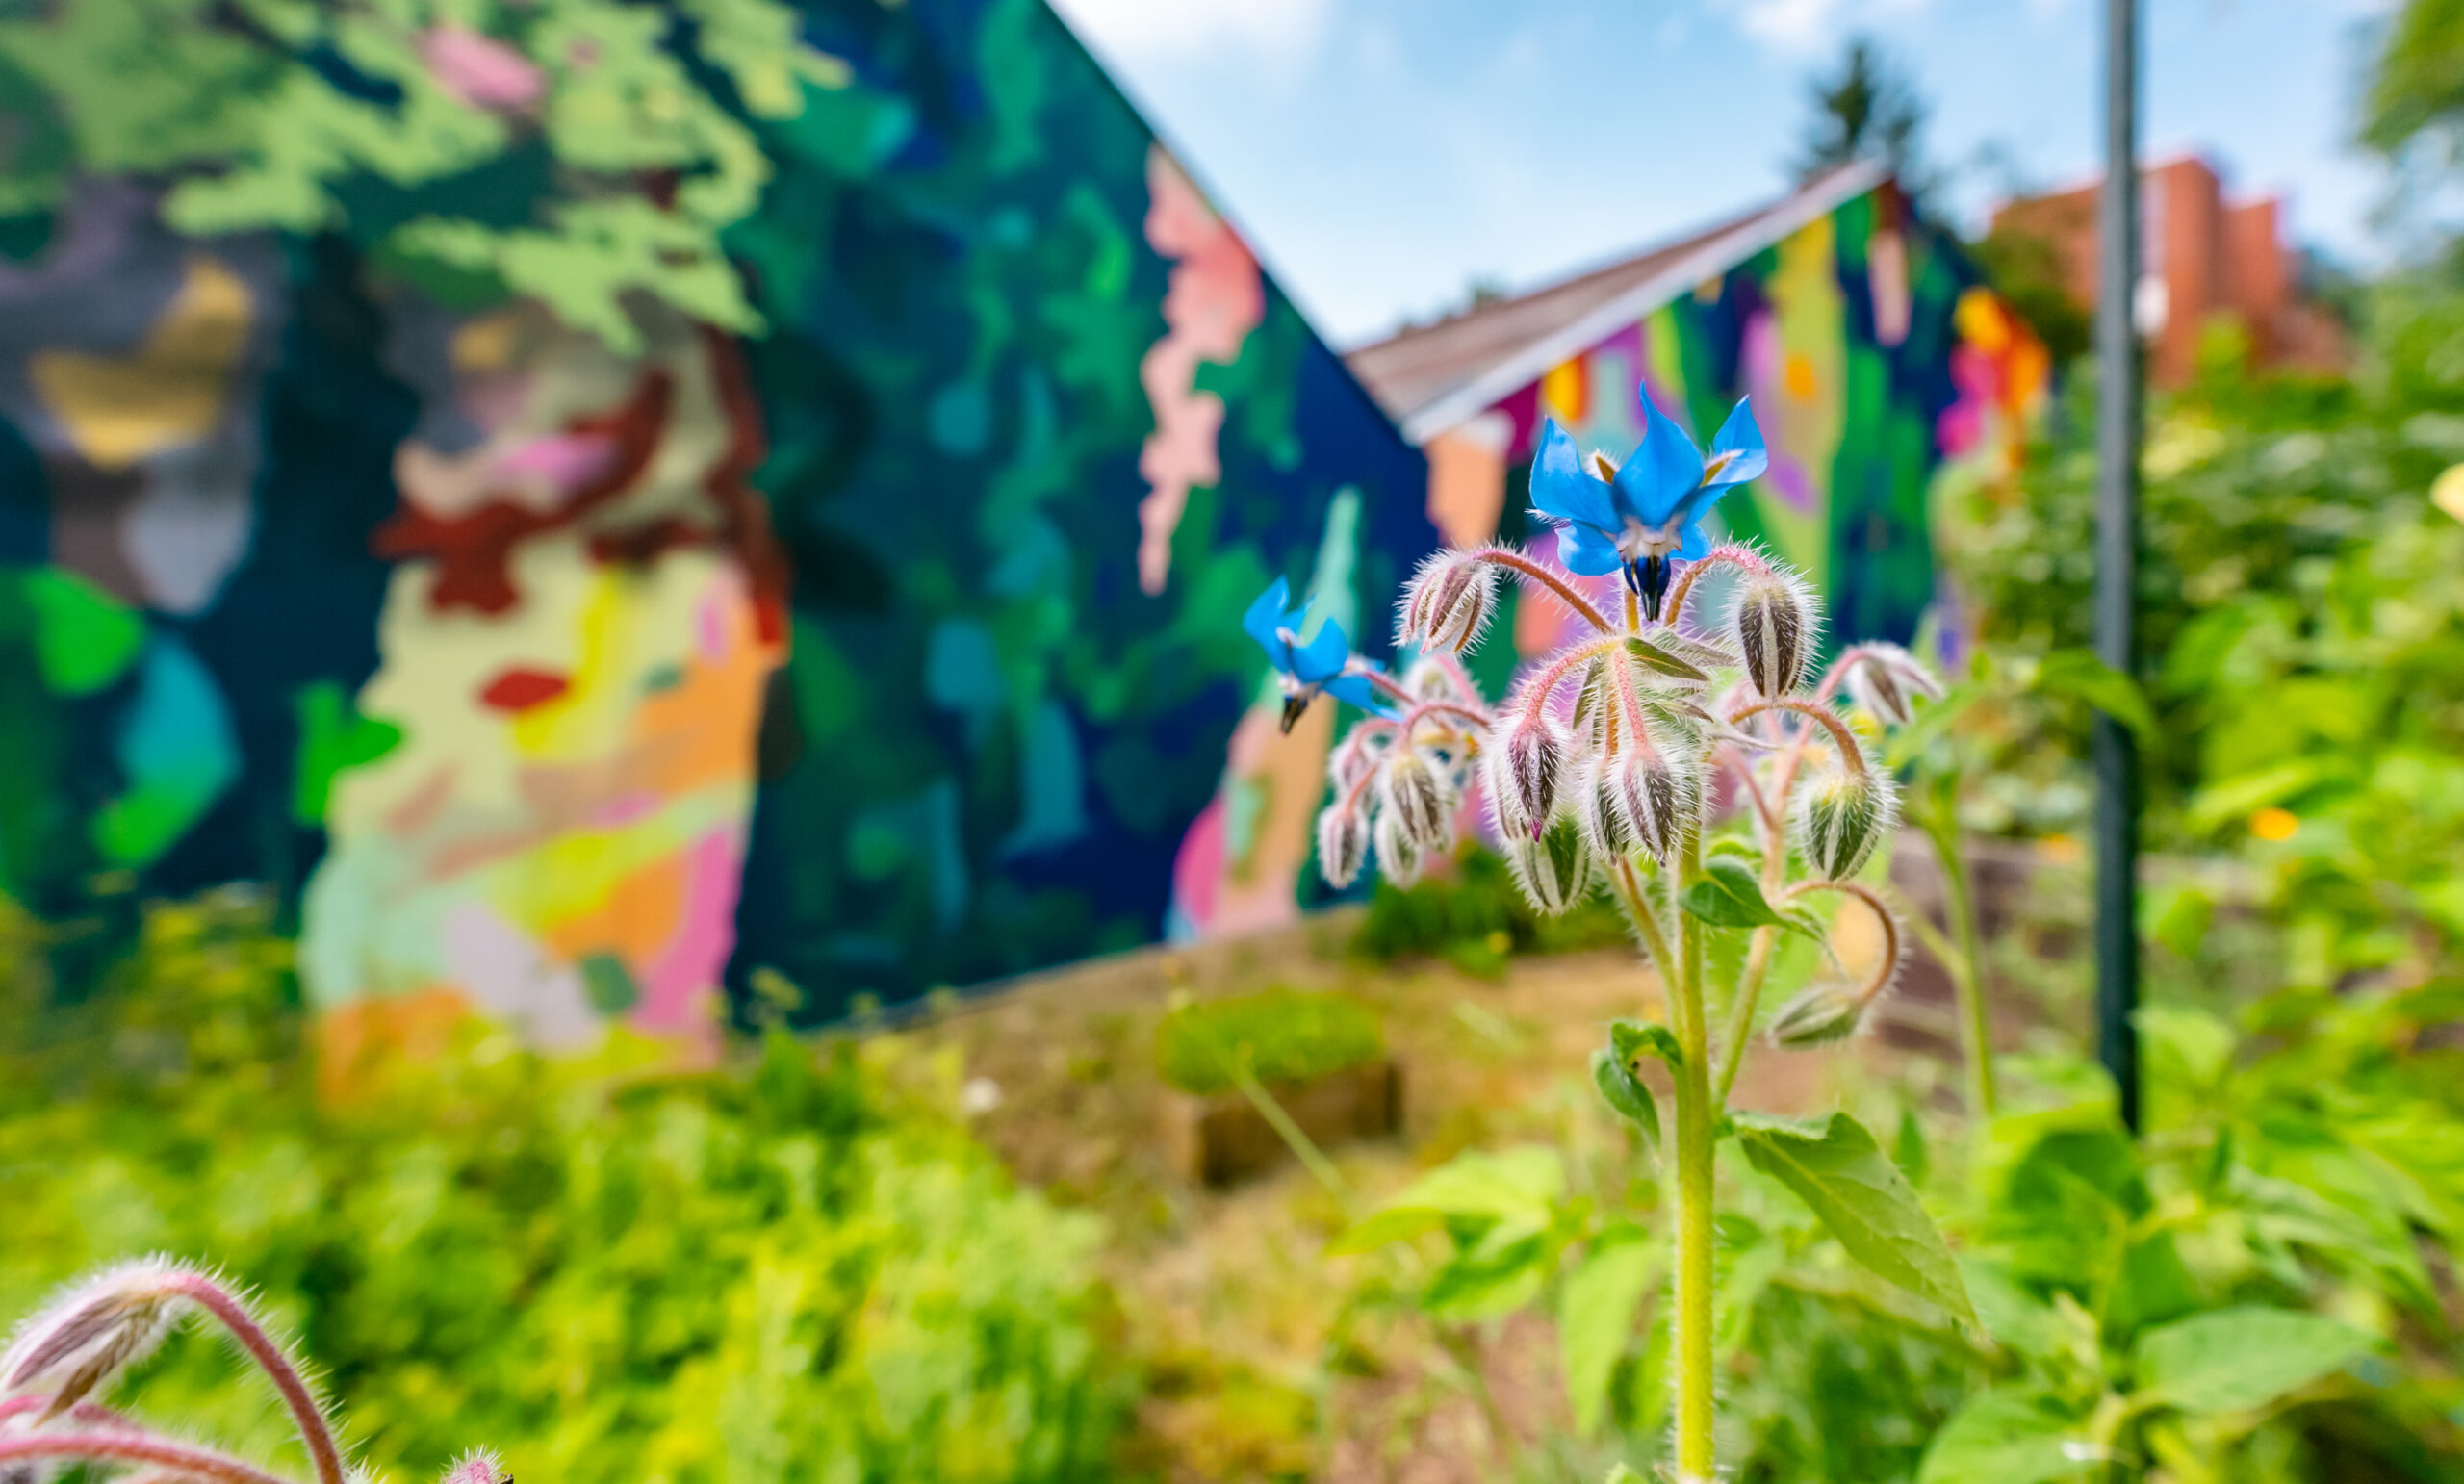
(1281, 30)
(1798, 28)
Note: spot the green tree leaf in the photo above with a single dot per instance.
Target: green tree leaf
(2001, 1437)
(1596, 1312)
(1728, 894)
(2078, 674)
(1631, 1038)
(1626, 1094)
(2237, 1359)
(1474, 1192)
(1842, 1174)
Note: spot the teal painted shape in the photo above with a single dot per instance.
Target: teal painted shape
(177, 751)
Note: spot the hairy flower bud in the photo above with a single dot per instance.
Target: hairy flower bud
(1521, 776)
(1352, 761)
(1553, 871)
(1824, 1013)
(1343, 844)
(478, 1466)
(1593, 803)
(95, 1331)
(1775, 626)
(1449, 603)
(1885, 680)
(1651, 800)
(1840, 816)
(1414, 793)
(1399, 859)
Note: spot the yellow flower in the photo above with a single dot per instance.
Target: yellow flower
(2275, 825)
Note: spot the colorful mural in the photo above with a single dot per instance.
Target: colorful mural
(895, 647)
(1882, 371)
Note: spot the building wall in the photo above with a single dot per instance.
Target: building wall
(2202, 259)
(1876, 363)
(896, 648)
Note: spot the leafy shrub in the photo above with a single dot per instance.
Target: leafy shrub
(610, 1270)
(1475, 916)
(1278, 1036)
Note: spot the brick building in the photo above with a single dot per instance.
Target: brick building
(2202, 256)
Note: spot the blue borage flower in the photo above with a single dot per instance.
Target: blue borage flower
(1637, 519)
(1325, 663)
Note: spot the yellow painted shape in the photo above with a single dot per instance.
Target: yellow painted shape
(1810, 318)
(166, 392)
(1562, 392)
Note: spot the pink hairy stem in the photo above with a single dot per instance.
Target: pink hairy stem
(1874, 904)
(180, 1460)
(1393, 687)
(314, 1431)
(1533, 573)
(1533, 697)
(1851, 756)
(1743, 558)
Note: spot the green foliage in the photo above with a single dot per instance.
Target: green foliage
(2417, 81)
(2027, 273)
(608, 1269)
(1475, 917)
(2305, 638)
(1279, 1036)
(626, 133)
(1847, 1180)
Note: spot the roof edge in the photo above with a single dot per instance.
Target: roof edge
(1718, 255)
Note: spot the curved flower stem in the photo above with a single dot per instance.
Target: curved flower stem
(1533, 573)
(1534, 694)
(1851, 756)
(1394, 688)
(1883, 915)
(1940, 824)
(314, 1431)
(181, 1460)
(1744, 558)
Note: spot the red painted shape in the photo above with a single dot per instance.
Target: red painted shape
(518, 690)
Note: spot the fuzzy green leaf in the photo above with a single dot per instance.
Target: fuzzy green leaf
(2237, 1359)
(2003, 1438)
(1596, 1313)
(1842, 1174)
(1728, 894)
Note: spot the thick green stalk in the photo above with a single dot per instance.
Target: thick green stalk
(1942, 828)
(1694, 1157)
(1680, 970)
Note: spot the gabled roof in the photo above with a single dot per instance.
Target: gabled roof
(1433, 378)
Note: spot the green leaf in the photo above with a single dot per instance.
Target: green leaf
(1842, 1174)
(1651, 656)
(1933, 718)
(2237, 1359)
(1596, 1313)
(1728, 894)
(1626, 1094)
(2004, 1438)
(2078, 674)
(2221, 803)
(1631, 1038)
(1477, 1190)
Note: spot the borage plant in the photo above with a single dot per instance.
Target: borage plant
(71, 1352)
(1600, 770)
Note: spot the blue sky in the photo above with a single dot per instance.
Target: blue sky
(1381, 153)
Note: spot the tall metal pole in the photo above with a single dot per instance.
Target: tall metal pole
(2117, 422)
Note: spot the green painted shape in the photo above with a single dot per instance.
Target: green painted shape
(610, 984)
(332, 736)
(84, 637)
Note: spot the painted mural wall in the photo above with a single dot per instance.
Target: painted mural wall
(896, 646)
(1884, 374)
